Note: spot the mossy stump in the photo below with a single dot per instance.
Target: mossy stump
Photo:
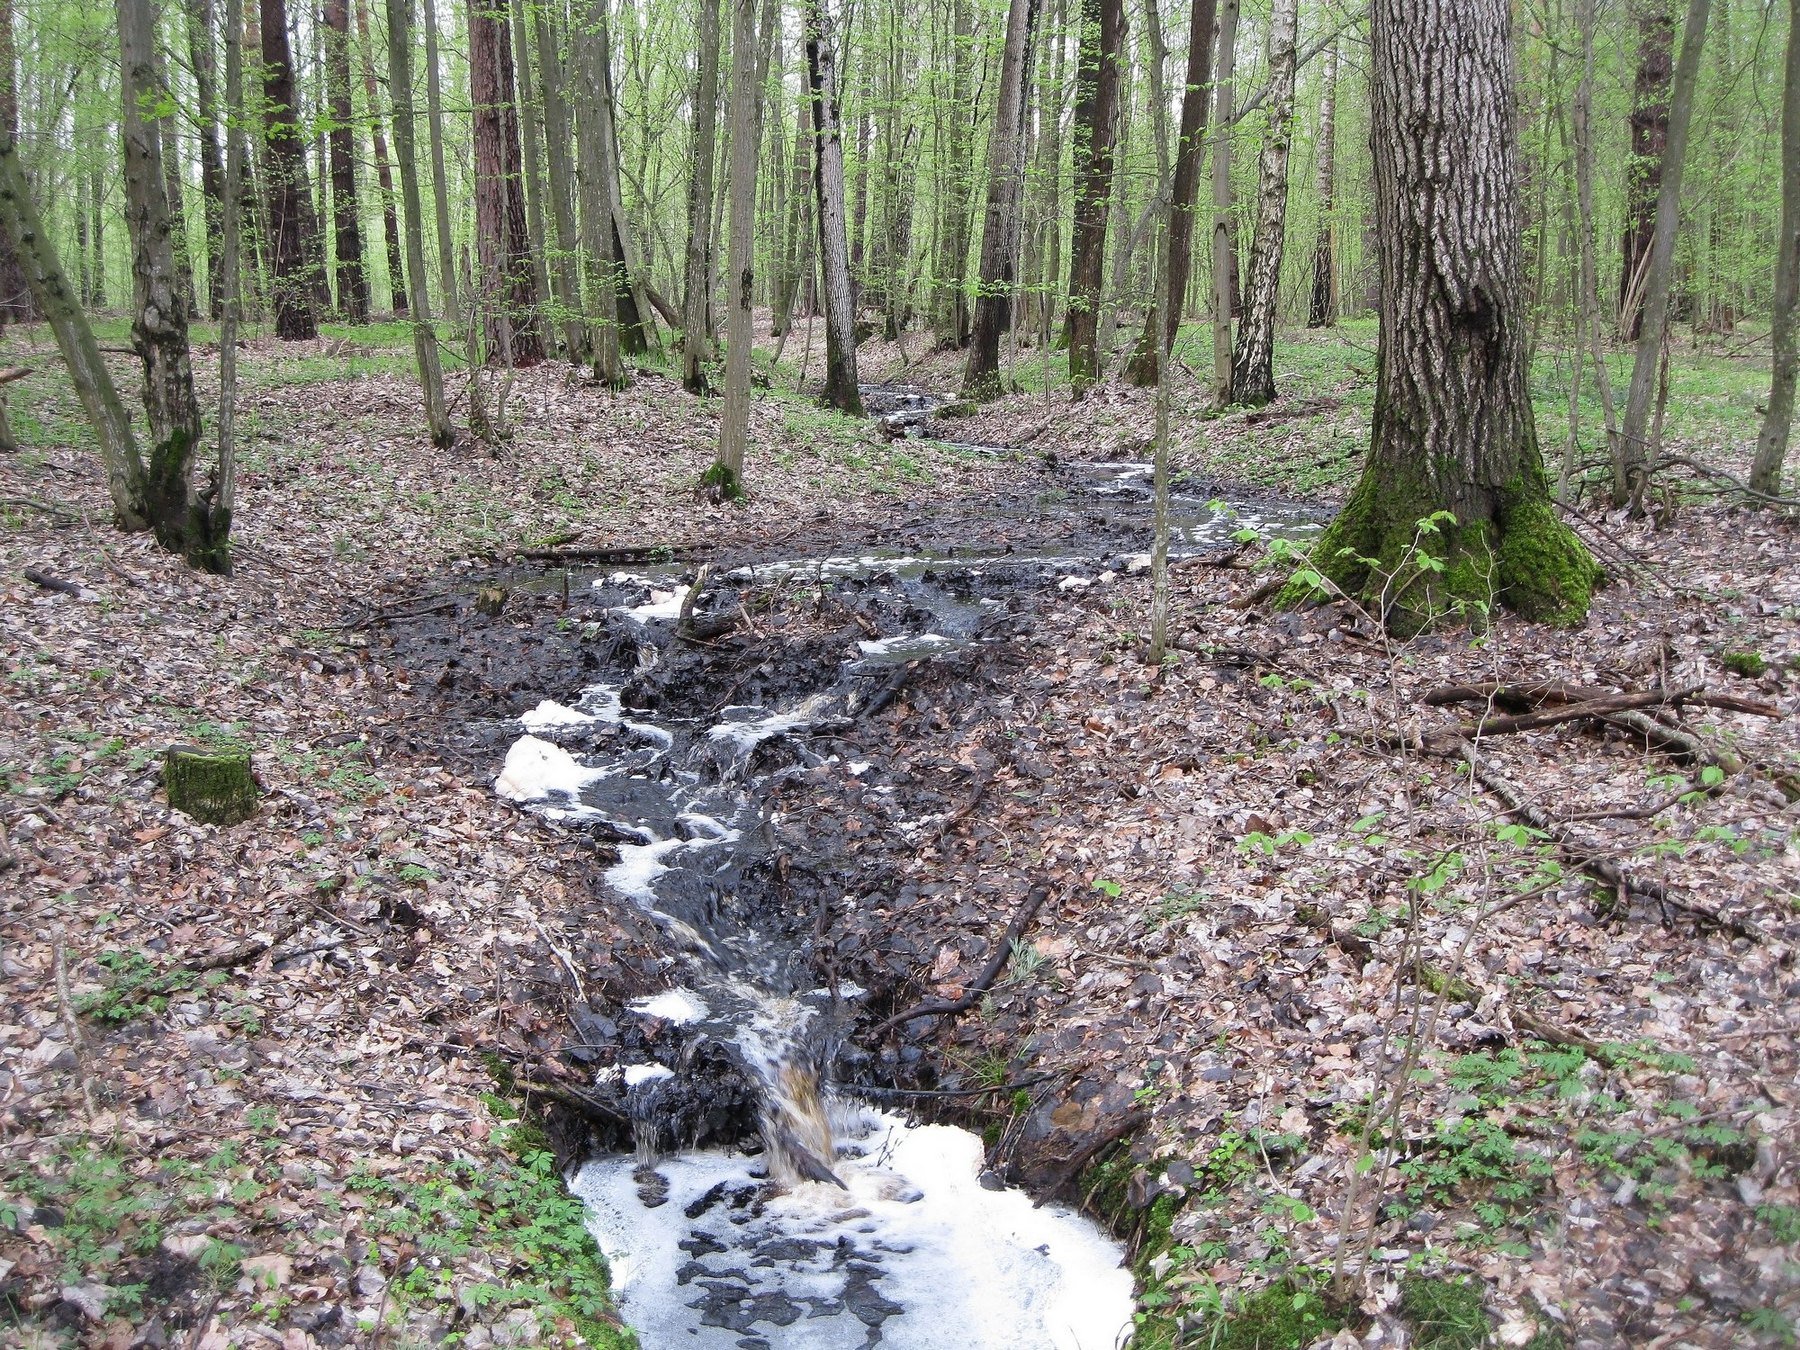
(490, 601)
(214, 786)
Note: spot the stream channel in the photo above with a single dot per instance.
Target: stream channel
(836, 1224)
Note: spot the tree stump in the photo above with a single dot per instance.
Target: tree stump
(490, 600)
(214, 786)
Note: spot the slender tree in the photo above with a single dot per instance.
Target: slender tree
(1096, 118)
(565, 260)
(1655, 22)
(703, 122)
(440, 180)
(384, 178)
(726, 477)
(293, 283)
(842, 390)
(1253, 360)
(1453, 430)
(16, 304)
(352, 277)
(1322, 308)
(1635, 450)
(1005, 205)
(1771, 443)
(199, 21)
(596, 212)
(431, 379)
(530, 113)
(507, 291)
(950, 303)
(1588, 278)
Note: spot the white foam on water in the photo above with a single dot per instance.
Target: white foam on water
(661, 605)
(909, 645)
(680, 1006)
(601, 703)
(636, 1074)
(550, 713)
(746, 734)
(535, 768)
(634, 875)
(971, 1269)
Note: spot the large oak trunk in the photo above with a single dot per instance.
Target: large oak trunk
(1453, 427)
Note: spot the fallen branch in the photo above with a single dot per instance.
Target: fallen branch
(582, 1103)
(1602, 706)
(1519, 697)
(1438, 982)
(1034, 901)
(626, 553)
(245, 952)
(50, 583)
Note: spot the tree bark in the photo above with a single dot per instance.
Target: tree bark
(352, 276)
(797, 223)
(431, 377)
(726, 478)
(440, 181)
(1322, 310)
(231, 253)
(292, 283)
(1655, 20)
(1253, 361)
(1453, 430)
(602, 291)
(1005, 204)
(1771, 442)
(1581, 120)
(1224, 265)
(696, 295)
(1096, 120)
(950, 305)
(507, 291)
(16, 304)
(199, 19)
(1635, 451)
(564, 263)
(530, 110)
(384, 178)
(1163, 322)
(841, 386)
(174, 195)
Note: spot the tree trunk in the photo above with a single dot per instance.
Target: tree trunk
(1253, 362)
(1322, 311)
(565, 268)
(529, 112)
(1636, 452)
(431, 378)
(841, 387)
(602, 291)
(1655, 21)
(1771, 443)
(726, 477)
(16, 305)
(24, 233)
(384, 178)
(631, 299)
(1453, 429)
(174, 196)
(199, 16)
(231, 255)
(1224, 265)
(1005, 203)
(352, 277)
(1581, 119)
(1190, 149)
(292, 284)
(950, 305)
(797, 223)
(440, 181)
(696, 295)
(1096, 120)
(506, 290)
(182, 522)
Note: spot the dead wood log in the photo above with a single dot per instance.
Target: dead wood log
(1602, 706)
(49, 583)
(624, 553)
(1523, 697)
(1027, 911)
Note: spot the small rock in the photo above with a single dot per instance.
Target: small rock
(90, 1299)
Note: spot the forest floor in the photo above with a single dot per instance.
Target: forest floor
(249, 1092)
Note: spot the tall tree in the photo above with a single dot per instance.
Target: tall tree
(842, 390)
(199, 19)
(16, 305)
(1096, 118)
(1453, 428)
(1005, 207)
(431, 378)
(1588, 267)
(1659, 274)
(564, 263)
(596, 213)
(1224, 264)
(352, 277)
(530, 111)
(746, 144)
(293, 282)
(1655, 21)
(1321, 311)
(384, 178)
(950, 295)
(440, 179)
(507, 292)
(1253, 360)
(703, 123)
(1771, 443)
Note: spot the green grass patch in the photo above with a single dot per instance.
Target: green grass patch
(1445, 1312)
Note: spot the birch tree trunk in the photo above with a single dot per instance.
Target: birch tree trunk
(384, 178)
(696, 294)
(841, 385)
(1453, 430)
(231, 255)
(726, 476)
(199, 21)
(1005, 204)
(1636, 452)
(1224, 265)
(507, 291)
(1771, 442)
(352, 278)
(440, 182)
(431, 375)
(1096, 120)
(1253, 361)
(1322, 311)
(292, 283)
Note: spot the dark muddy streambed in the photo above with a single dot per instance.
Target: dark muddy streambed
(828, 1222)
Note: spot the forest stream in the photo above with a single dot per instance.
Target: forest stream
(836, 1223)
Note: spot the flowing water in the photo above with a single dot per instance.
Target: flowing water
(848, 1226)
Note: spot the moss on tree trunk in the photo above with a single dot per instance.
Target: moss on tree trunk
(214, 786)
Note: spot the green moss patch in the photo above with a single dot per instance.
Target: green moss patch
(1444, 1312)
